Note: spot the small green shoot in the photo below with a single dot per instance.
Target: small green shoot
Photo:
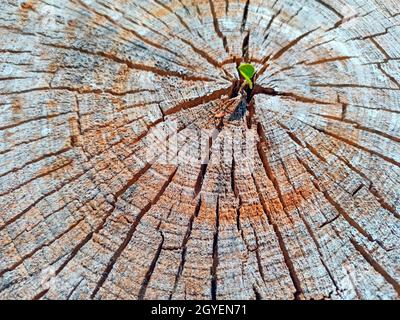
(247, 71)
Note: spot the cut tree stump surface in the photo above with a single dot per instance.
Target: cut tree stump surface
(90, 88)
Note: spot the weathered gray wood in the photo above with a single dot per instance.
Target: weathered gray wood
(89, 87)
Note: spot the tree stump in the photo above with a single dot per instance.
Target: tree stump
(134, 167)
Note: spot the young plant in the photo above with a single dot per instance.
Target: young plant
(247, 71)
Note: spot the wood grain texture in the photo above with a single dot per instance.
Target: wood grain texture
(87, 87)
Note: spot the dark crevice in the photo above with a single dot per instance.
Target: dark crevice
(268, 169)
(358, 126)
(299, 98)
(350, 85)
(330, 8)
(245, 47)
(344, 108)
(339, 208)
(183, 23)
(47, 244)
(291, 44)
(99, 227)
(130, 64)
(41, 175)
(201, 53)
(291, 134)
(293, 16)
(40, 295)
(329, 221)
(42, 157)
(200, 178)
(204, 165)
(259, 258)
(145, 40)
(378, 268)
(235, 89)
(31, 206)
(245, 14)
(383, 203)
(270, 24)
(79, 246)
(233, 183)
(207, 57)
(251, 113)
(45, 117)
(285, 253)
(327, 60)
(392, 78)
(74, 289)
(356, 145)
(263, 90)
(372, 189)
(309, 228)
(256, 293)
(147, 277)
(238, 223)
(358, 189)
(132, 181)
(216, 27)
(214, 266)
(184, 246)
(129, 235)
(218, 94)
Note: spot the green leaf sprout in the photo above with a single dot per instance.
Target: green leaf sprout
(247, 71)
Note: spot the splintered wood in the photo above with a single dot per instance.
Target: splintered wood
(135, 165)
